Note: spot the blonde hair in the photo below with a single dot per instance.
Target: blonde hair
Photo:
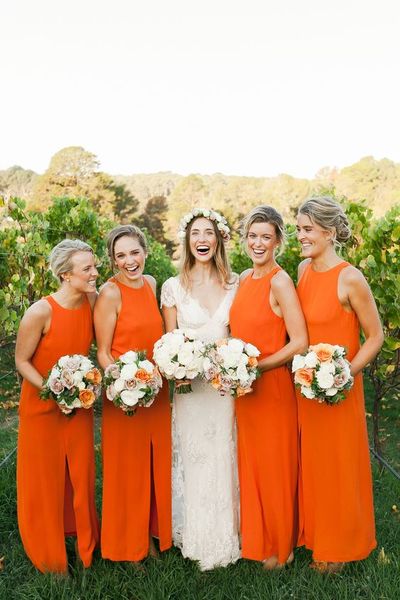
(328, 214)
(121, 231)
(220, 258)
(264, 214)
(60, 258)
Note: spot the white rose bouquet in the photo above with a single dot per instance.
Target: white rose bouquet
(73, 382)
(323, 373)
(230, 365)
(132, 381)
(179, 357)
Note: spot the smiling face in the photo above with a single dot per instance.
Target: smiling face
(82, 277)
(202, 239)
(129, 258)
(313, 238)
(261, 243)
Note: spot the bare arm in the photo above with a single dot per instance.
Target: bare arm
(301, 268)
(170, 318)
(285, 297)
(355, 293)
(153, 284)
(35, 322)
(105, 318)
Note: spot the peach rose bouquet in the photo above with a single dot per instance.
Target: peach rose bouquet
(323, 373)
(74, 382)
(230, 366)
(132, 381)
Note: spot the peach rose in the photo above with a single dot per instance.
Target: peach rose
(304, 377)
(324, 352)
(242, 391)
(94, 376)
(142, 375)
(220, 343)
(216, 382)
(253, 362)
(87, 398)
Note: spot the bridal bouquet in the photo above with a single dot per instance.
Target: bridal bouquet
(230, 365)
(179, 357)
(323, 373)
(132, 381)
(73, 382)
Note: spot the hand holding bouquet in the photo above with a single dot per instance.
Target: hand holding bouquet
(179, 357)
(132, 381)
(74, 382)
(230, 365)
(323, 373)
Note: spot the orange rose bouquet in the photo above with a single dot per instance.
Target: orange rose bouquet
(73, 382)
(230, 366)
(323, 373)
(132, 381)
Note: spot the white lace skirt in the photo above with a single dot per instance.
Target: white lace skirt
(205, 494)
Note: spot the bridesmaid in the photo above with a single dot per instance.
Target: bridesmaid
(137, 449)
(336, 504)
(55, 463)
(266, 312)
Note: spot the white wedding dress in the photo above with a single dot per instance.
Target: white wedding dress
(205, 494)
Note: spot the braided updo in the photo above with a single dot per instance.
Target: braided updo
(328, 214)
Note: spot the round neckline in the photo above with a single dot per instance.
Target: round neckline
(136, 289)
(327, 270)
(85, 299)
(271, 272)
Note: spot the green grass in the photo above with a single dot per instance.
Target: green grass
(174, 578)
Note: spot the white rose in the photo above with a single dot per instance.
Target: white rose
(131, 397)
(299, 362)
(78, 376)
(63, 361)
(252, 350)
(169, 369)
(311, 360)
(128, 357)
(206, 363)
(179, 372)
(146, 365)
(331, 392)
(235, 345)
(327, 367)
(119, 384)
(81, 386)
(339, 350)
(325, 379)
(55, 373)
(76, 403)
(128, 371)
(307, 392)
(86, 365)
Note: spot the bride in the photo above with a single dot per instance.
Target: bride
(205, 503)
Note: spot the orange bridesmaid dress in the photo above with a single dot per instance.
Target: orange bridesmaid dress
(55, 462)
(336, 502)
(136, 449)
(267, 431)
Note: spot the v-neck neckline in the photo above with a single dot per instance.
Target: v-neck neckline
(203, 308)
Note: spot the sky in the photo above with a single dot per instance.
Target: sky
(241, 87)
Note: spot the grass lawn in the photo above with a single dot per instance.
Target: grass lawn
(173, 577)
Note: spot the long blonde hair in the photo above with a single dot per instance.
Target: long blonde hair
(220, 258)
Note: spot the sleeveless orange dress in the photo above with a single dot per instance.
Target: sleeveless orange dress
(336, 502)
(136, 449)
(55, 462)
(267, 431)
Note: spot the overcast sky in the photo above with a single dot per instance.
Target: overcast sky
(245, 87)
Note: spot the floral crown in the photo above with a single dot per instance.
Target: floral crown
(207, 213)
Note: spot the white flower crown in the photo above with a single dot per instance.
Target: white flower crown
(207, 213)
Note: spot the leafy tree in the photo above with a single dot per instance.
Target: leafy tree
(74, 172)
(125, 204)
(153, 220)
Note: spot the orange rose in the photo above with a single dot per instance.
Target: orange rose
(324, 352)
(216, 382)
(93, 376)
(242, 391)
(253, 362)
(87, 398)
(304, 377)
(142, 375)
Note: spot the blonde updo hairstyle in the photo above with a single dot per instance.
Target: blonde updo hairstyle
(60, 258)
(328, 214)
(121, 231)
(220, 258)
(264, 214)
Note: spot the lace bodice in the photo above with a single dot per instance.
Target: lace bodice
(192, 317)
